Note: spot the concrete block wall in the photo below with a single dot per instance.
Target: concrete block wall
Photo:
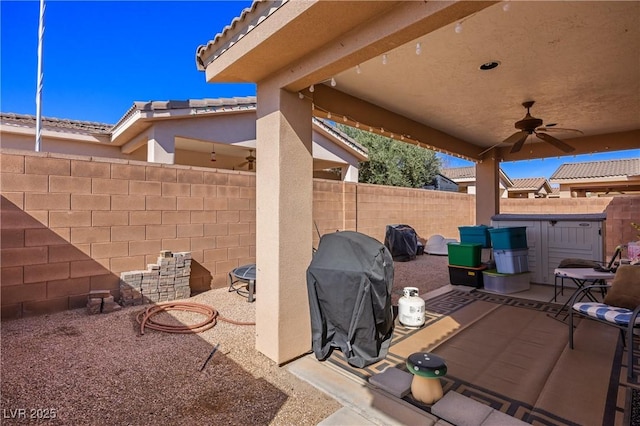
(621, 211)
(71, 224)
(334, 207)
(555, 205)
(428, 212)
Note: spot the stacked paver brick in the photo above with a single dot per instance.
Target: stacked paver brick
(162, 282)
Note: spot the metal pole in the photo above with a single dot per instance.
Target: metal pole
(40, 76)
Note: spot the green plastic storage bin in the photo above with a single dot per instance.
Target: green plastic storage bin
(464, 254)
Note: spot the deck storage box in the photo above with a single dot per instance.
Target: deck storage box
(460, 275)
(475, 234)
(505, 283)
(464, 254)
(512, 238)
(511, 261)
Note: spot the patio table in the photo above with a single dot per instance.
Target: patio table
(581, 277)
(242, 280)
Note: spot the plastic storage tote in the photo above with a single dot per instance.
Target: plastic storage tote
(512, 238)
(475, 234)
(472, 277)
(511, 261)
(464, 254)
(506, 283)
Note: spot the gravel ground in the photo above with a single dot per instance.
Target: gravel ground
(98, 369)
(427, 272)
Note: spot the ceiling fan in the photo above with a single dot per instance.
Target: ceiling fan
(530, 125)
(250, 160)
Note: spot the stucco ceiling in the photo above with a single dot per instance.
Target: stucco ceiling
(579, 61)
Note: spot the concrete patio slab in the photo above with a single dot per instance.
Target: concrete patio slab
(373, 405)
(394, 381)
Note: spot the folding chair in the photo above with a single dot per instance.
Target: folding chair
(621, 307)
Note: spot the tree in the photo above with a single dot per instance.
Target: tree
(393, 162)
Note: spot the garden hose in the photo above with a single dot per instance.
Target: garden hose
(145, 318)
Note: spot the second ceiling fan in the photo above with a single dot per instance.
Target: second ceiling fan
(250, 161)
(530, 125)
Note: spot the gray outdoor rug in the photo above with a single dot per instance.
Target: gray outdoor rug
(508, 353)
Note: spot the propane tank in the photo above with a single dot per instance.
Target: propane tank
(411, 308)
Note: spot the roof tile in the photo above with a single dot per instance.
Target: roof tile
(459, 172)
(527, 184)
(56, 123)
(256, 13)
(598, 169)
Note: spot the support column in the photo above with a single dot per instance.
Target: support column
(284, 205)
(161, 147)
(487, 190)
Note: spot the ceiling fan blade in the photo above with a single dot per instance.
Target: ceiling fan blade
(559, 130)
(514, 138)
(520, 142)
(555, 142)
(489, 149)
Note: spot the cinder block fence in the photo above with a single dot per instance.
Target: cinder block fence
(73, 224)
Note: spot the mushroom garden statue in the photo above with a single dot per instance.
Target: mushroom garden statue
(427, 369)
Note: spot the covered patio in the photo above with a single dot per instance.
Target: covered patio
(448, 76)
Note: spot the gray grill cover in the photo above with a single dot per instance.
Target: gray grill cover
(349, 282)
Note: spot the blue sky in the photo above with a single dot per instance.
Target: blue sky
(98, 55)
(98, 58)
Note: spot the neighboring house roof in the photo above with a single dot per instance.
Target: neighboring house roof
(460, 172)
(195, 105)
(597, 169)
(446, 179)
(60, 123)
(537, 186)
(142, 115)
(530, 184)
(468, 174)
(343, 137)
(442, 183)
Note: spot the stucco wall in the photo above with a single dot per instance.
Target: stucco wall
(70, 224)
(68, 146)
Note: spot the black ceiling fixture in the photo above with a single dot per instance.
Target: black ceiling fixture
(530, 125)
(489, 65)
